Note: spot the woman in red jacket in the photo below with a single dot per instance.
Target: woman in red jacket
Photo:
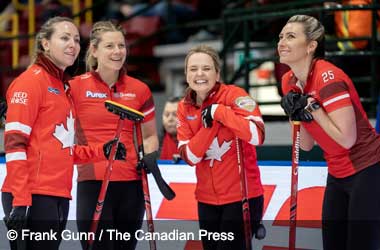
(211, 118)
(324, 99)
(123, 208)
(39, 138)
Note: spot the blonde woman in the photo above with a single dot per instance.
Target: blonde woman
(123, 208)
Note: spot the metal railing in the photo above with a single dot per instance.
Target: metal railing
(12, 33)
(240, 25)
(30, 7)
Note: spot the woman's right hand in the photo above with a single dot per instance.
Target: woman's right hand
(121, 152)
(294, 106)
(16, 219)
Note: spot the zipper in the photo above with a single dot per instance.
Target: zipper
(39, 166)
(213, 186)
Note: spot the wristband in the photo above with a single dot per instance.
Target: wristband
(312, 106)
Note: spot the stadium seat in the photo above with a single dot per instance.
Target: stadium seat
(142, 26)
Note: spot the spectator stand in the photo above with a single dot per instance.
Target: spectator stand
(259, 24)
(17, 38)
(143, 40)
(142, 36)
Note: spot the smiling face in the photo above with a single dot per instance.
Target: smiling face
(63, 46)
(169, 117)
(201, 74)
(111, 51)
(293, 46)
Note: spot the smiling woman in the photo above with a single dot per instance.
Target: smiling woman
(213, 120)
(39, 138)
(324, 99)
(123, 209)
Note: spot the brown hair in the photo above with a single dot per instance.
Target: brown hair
(206, 50)
(97, 31)
(45, 32)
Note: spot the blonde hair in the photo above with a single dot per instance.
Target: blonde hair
(98, 29)
(313, 30)
(45, 32)
(206, 50)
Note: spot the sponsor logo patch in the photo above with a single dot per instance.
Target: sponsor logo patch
(191, 117)
(53, 90)
(96, 94)
(125, 96)
(19, 98)
(246, 103)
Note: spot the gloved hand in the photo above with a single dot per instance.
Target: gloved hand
(208, 115)
(176, 158)
(293, 102)
(302, 115)
(149, 161)
(121, 152)
(3, 108)
(16, 219)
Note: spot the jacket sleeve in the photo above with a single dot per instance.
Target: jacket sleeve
(242, 115)
(24, 98)
(86, 154)
(192, 146)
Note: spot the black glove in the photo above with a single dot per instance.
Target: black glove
(207, 117)
(121, 152)
(302, 115)
(149, 161)
(16, 219)
(176, 158)
(293, 102)
(3, 108)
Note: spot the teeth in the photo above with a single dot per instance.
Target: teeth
(200, 81)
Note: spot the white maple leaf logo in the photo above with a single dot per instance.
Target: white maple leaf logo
(66, 136)
(215, 152)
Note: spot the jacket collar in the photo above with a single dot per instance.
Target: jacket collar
(51, 68)
(191, 95)
(122, 72)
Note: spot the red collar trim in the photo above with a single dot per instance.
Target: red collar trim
(122, 72)
(51, 68)
(191, 95)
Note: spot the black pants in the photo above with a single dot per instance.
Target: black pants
(46, 213)
(351, 211)
(226, 219)
(123, 210)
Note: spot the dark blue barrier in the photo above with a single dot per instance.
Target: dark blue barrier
(261, 163)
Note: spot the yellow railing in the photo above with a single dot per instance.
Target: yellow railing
(76, 9)
(30, 8)
(12, 33)
(88, 16)
(31, 26)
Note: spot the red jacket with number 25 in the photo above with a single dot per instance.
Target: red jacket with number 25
(213, 150)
